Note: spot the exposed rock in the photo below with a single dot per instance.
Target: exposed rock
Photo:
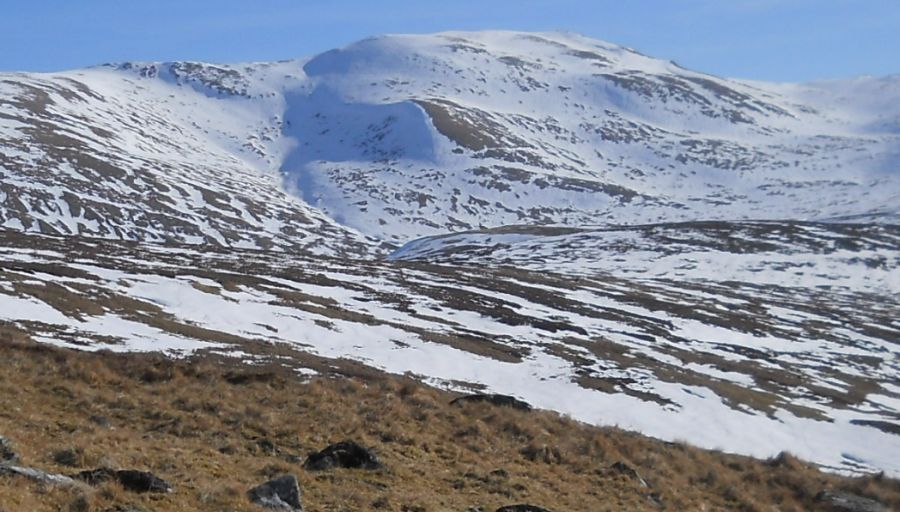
(282, 493)
(624, 469)
(7, 454)
(839, 501)
(129, 479)
(522, 508)
(39, 476)
(346, 454)
(494, 399)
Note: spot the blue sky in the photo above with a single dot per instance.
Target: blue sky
(782, 40)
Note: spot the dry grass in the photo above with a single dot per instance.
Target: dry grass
(214, 429)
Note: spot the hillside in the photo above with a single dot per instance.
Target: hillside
(214, 430)
(812, 370)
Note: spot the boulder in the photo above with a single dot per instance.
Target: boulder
(346, 454)
(494, 399)
(129, 479)
(282, 493)
(840, 501)
(522, 508)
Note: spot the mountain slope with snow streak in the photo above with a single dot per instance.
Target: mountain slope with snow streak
(117, 154)
(399, 137)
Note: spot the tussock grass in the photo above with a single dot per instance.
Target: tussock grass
(214, 428)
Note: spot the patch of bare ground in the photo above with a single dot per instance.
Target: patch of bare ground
(214, 428)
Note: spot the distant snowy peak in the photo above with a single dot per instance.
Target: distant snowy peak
(499, 69)
(557, 128)
(399, 137)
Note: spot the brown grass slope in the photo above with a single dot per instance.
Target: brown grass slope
(214, 429)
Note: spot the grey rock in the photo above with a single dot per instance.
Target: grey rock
(282, 493)
(39, 476)
(840, 501)
(522, 508)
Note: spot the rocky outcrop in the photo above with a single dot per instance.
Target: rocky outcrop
(522, 508)
(282, 493)
(39, 476)
(346, 454)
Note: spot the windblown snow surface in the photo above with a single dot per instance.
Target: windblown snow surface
(595, 231)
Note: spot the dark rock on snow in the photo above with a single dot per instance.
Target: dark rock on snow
(129, 479)
(521, 508)
(494, 399)
(839, 501)
(282, 493)
(346, 454)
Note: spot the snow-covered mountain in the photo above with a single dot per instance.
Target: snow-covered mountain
(593, 230)
(398, 137)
